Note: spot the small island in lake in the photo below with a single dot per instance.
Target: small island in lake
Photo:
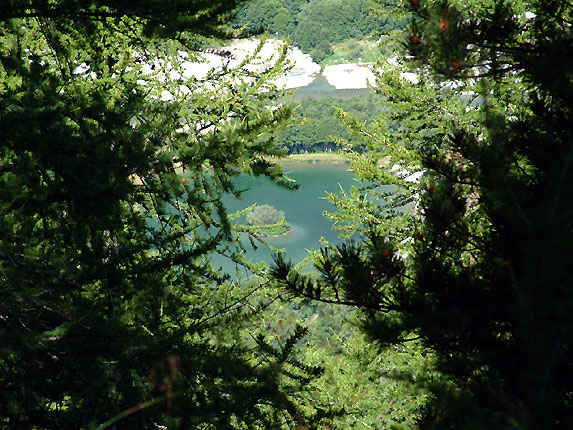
(268, 221)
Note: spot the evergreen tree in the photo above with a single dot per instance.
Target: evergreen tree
(477, 268)
(113, 164)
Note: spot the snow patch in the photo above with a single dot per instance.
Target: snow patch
(349, 76)
(302, 72)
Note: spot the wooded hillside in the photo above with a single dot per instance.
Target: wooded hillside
(316, 26)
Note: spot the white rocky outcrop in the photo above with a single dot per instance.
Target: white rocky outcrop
(349, 76)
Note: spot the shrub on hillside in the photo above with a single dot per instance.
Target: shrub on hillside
(269, 220)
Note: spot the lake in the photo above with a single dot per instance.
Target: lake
(303, 208)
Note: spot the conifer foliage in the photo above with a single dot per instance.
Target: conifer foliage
(477, 268)
(113, 164)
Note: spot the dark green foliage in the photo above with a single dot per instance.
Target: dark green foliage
(152, 17)
(479, 272)
(314, 26)
(316, 128)
(322, 50)
(365, 386)
(110, 311)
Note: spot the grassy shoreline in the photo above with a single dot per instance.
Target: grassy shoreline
(321, 157)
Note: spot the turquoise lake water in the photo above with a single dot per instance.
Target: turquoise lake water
(303, 208)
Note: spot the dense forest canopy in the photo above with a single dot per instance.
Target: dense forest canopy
(316, 25)
(315, 127)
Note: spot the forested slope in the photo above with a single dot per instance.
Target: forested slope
(316, 26)
(315, 126)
